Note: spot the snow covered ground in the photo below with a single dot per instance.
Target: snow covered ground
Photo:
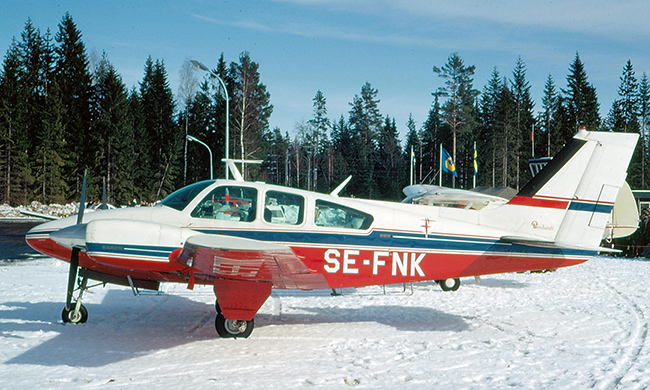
(580, 327)
(56, 210)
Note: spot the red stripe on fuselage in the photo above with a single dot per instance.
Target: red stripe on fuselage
(539, 202)
(344, 267)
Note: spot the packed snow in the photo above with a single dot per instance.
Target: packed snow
(580, 327)
(55, 210)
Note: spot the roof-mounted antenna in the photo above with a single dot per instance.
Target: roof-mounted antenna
(233, 168)
(338, 189)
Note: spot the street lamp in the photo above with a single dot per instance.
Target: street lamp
(199, 66)
(194, 139)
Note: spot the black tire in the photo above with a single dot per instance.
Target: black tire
(233, 328)
(449, 284)
(68, 315)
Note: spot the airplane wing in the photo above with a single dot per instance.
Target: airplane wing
(38, 215)
(245, 270)
(528, 241)
(229, 257)
(438, 196)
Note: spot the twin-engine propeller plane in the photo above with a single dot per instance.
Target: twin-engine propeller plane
(246, 238)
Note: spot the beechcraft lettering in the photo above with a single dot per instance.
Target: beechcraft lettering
(351, 261)
(247, 238)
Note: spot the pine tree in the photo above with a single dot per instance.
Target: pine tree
(458, 110)
(489, 137)
(113, 135)
(623, 117)
(644, 117)
(161, 131)
(36, 77)
(318, 139)
(414, 146)
(49, 156)
(345, 146)
(629, 99)
(251, 108)
(524, 122)
(275, 165)
(509, 140)
(430, 136)
(365, 122)
(73, 77)
(141, 149)
(550, 107)
(13, 130)
(581, 99)
(390, 161)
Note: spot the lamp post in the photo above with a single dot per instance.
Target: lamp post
(199, 66)
(194, 139)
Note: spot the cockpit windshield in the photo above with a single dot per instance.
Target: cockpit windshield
(180, 198)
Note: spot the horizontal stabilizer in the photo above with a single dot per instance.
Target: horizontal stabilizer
(529, 241)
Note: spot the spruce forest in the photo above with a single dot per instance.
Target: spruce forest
(62, 113)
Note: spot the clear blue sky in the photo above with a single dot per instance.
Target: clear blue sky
(336, 46)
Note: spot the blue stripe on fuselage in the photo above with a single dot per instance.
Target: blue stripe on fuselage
(591, 207)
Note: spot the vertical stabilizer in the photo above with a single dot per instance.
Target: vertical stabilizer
(570, 200)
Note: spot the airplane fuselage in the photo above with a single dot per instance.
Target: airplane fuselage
(350, 242)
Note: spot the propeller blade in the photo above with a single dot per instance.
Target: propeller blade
(104, 205)
(82, 201)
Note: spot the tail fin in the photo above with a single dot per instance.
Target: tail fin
(569, 201)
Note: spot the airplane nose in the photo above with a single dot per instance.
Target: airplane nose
(71, 236)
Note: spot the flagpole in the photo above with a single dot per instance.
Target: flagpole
(411, 164)
(474, 167)
(440, 170)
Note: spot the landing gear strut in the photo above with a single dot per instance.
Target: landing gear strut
(75, 313)
(227, 328)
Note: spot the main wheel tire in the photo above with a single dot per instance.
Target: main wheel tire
(233, 328)
(449, 284)
(69, 315)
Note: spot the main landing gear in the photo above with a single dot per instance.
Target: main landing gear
(451, 284)
(227, 328)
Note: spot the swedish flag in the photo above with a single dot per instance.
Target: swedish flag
(448, 163)
(412, 158)
(475, 162)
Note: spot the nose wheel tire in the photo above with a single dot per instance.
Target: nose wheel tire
(449, 284)
(233, 328)
(75, 318)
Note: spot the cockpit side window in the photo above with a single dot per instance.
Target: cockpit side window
(228, 203)
(283, 208)
(179, 199)
(330, 214)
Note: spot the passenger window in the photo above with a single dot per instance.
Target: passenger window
(228, 203)
(283, 208)
(330, 214)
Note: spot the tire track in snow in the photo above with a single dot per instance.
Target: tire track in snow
(637, 337)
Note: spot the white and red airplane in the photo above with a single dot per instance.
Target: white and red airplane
(247, 238)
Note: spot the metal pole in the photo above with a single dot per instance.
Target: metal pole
(440, 176)
(198, 65)
(194, 139)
